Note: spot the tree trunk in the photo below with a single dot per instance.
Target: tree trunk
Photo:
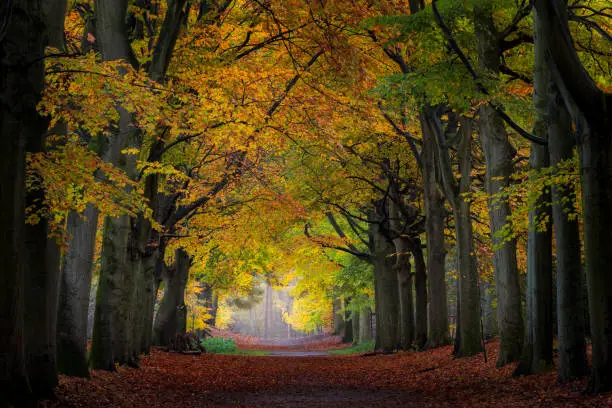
(386, 287)
(597, 200)
(365, 325)
(22, 46)
(355, 320)
(267, 306)
(109, 334)
(41, 296)
(214, 309)
(584, 99)
(405, 286)
(499, 154)
(75, 286)
(489, 324)
(469, 300)
(153, 268)
(339, 323)
(537, 354)
(570, 282)
(420, 282)
(172, 313)
(437, 314)
(467, 338)
(348, 324)
(105, 330)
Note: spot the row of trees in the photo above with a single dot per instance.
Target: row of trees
(175, 125)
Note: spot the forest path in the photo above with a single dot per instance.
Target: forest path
(427, 379)
(297, 353)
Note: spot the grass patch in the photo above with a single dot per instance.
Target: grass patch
(358, 348)
(219, 345)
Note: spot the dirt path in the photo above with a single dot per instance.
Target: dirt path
(297, 353)
(428, 379)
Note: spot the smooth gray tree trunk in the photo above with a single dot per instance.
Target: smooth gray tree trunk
(467, 340)
(584, 99)
(571, 329)
(403, 268)
(437, 309)
(355, 320)
(365, 325)
(489, 322)
(75, 284)
(537, 354)
(386, 287)
(499, 154)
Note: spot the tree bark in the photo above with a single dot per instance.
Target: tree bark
(420, 283)
(489, 325)
(41, 293)
(537, 354)
(498, 156)
(571, 329)
(75, 285)
(386, 285)
(339, 323)
(172, 314)
(584, 99)
(21, 82)
(348, 323)
(116, 290)
(437, 314)
(105, 330)
(405, 286)
(365, 325)
(467, 340)
(355, 320)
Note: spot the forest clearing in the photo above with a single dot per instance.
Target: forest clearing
(305, 203)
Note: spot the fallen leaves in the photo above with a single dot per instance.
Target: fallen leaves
(427, 379)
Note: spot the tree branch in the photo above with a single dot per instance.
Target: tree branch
(466, 62)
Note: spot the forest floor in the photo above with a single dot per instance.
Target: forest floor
(426, 379)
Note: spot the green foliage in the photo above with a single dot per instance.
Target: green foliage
(359, 348)
(219, 345)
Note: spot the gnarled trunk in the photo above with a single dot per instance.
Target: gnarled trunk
(171, 317)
